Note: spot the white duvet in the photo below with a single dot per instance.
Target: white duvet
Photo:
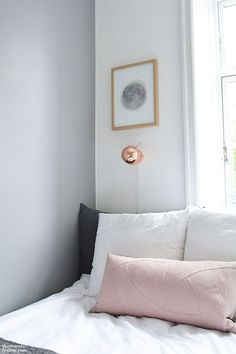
(62, 323)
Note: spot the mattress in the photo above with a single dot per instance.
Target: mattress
(62, 323)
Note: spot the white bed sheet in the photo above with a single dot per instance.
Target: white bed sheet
(62, 323)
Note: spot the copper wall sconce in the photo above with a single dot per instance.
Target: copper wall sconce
(132, 155)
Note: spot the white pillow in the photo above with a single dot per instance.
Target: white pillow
(160, 235)
(211, 236)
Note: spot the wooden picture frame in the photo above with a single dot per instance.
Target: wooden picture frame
(135, 95)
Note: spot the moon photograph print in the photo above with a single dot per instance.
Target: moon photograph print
(135, 95)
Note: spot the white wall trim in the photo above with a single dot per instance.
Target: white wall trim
(188, 103)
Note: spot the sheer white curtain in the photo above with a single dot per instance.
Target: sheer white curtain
(207, 104)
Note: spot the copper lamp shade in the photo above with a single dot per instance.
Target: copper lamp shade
(132, 155)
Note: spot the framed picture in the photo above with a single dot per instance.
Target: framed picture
(135, 95)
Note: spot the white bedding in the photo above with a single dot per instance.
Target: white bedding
(62, 323)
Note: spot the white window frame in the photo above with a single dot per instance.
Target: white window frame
(226, 74)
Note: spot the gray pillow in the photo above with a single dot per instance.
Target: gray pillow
(88, 224)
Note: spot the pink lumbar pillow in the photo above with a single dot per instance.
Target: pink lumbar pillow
(200, 293)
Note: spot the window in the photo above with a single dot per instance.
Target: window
(211, 58)
(227, 32)
(227, 47)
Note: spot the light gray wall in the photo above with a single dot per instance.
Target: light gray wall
(128, 31)
(46, 143)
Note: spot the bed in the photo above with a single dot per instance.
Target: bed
(62, 323)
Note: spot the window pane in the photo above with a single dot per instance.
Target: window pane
(229, 34)
(229, 104)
